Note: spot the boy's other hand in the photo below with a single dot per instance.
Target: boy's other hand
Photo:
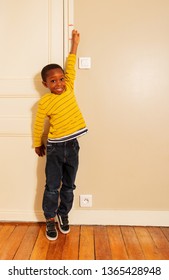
(40, 151)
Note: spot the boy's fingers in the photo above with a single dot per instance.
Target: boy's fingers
(74, 32)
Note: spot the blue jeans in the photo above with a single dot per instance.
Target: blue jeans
(61, 168)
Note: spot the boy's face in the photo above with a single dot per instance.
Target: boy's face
(55, 81)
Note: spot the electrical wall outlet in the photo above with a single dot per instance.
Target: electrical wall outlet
(85, 200)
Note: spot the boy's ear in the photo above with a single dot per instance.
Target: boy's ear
(44, 83)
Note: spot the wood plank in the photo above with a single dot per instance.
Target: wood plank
(133, 247)
(1, 226)
(56, 248)
(161, 241)
(71, 245)
(41, 246)
(102, 246)
(28, 242)
(5, 233)
(165, 230)
(86, 247)
(149, 248)
(117, 245)
(8, 250)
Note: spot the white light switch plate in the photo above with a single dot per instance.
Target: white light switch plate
(84, 62)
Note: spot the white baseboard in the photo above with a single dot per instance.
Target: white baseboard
(116, 217)
(96, 217)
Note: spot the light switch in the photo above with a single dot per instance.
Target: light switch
(84, 62)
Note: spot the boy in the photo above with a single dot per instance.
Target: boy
(66, 124)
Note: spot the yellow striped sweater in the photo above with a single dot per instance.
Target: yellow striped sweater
(66, 120)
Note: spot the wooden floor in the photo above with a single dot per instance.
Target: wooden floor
(24, 241)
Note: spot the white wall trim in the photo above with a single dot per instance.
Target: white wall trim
(68, 25)
(96, 217)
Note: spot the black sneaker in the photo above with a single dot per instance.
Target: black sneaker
(51, 231)
(63, 224)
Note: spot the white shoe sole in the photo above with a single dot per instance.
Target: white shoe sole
(51, 238)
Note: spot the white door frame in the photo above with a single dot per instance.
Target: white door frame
(68, 9)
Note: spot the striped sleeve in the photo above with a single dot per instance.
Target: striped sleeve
(70, 70)
(38, 126)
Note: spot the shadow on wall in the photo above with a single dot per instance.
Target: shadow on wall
(41, 161)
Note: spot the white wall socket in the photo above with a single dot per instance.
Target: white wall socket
(85, 200)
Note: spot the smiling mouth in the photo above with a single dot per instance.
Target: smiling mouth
(59, 90)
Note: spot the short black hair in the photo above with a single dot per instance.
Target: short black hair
(47, 68)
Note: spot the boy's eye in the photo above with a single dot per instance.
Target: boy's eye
(54, 81)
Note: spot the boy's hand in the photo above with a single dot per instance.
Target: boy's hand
(75, 37)
(40, 151)
(75, 41)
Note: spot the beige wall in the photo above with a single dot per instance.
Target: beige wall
(124, 159)
(124, 97)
